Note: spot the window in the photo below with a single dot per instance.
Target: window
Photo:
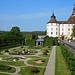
(68, 25)
(56, 33)
(68, 29)
(51, 28)
(51, 33)
(56, 28)
(62, 33)
(62, 29)
(68, 33)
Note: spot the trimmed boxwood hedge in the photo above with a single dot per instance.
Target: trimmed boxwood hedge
(50, 41)
(4, 67)
(69, 57)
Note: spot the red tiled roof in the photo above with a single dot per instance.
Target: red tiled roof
(71, 19)
(53, 20)
(63, 22)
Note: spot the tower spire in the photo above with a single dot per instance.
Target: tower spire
(53, 16)
(73, 13)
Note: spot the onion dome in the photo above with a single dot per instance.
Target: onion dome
(53, 19)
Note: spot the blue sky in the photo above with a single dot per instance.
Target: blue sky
(32, 15)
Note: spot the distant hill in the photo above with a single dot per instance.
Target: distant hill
(2, 32)
(24, 33)
(34, 33)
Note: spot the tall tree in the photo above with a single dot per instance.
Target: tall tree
(17, 35)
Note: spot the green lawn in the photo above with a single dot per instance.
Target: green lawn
(27, 71)
(33, 57)
(4, 74)
(17, 63)
(61, 65)
(33, 62)
(10, 71)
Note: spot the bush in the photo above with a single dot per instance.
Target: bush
(6, 50)
(34, 70)
(69, 57)
(49, 46)
(4, 67)
(44, 53)
(46, 50)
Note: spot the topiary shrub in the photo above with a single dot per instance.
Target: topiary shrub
(5, 67)
(34, 69)
(6, 50)
(44, 53)
(46, 50)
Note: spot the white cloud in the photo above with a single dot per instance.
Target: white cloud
(24, 16)
(30, 16)
(58, 12)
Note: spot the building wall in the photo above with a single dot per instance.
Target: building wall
(53, 29)
(66, 30)
(59, 30)
(63, 30)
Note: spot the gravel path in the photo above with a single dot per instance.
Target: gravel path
(50, 69)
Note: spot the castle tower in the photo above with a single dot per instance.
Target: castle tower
(53, 27)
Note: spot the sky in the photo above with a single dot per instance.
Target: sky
(32, 15)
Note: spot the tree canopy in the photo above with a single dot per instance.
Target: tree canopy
(13, 37)
(73, 31)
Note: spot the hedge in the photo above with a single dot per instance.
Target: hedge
(69, 57)
(4, 67)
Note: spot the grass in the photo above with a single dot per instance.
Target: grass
(45, 59)
(17, 63)
(32, 57)
(4, 74)
(27, 71)
(61, 67)
(10, 71)
(32, 62)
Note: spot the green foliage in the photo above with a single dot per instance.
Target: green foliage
(34, 33)
(73, 31)
(34, 69)
(6, 50)
(11, 38)
(61, 67)
(30, 43)
(28, 36)
(4, 67)
(50, 41)
(27, 71)
(56, 41)
(69, 57)
(45, 52)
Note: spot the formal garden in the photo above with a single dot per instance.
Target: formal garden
(27, 59)
(24, 58)
(20, 55)
(32, 59)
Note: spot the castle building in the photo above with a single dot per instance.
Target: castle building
(61, 29)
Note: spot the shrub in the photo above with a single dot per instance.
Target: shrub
(46, 50)
(44, 53)
(34, 70)
(4, 67)
(70, 59)
(6, 50)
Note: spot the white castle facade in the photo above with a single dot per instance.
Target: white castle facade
(61, 28)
